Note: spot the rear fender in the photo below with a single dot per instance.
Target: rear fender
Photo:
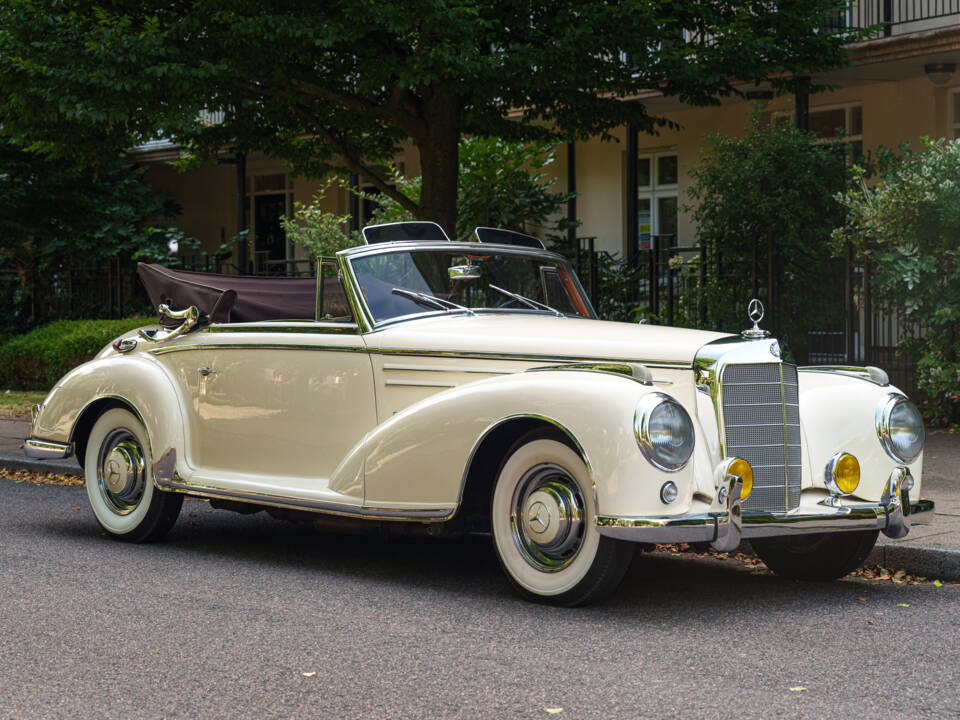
(137, 382)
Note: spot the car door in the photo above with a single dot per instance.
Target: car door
(283, 408)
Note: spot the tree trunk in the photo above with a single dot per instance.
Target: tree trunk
(439, 163)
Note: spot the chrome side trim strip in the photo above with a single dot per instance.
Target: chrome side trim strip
(462, 355)
(46, 449)
(447, 368)
(634, 371)
(419, 383)
(869, 373)
(703, 527)
(317, 328)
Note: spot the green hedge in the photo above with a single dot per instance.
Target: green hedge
(36, 361)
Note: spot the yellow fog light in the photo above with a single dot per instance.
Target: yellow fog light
(842, 474)
(742, 468)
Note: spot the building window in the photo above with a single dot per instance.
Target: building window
(830, 122)
(657, 175)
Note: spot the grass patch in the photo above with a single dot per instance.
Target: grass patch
(17, 403)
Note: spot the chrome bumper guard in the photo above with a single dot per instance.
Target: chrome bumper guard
(724, 530)
(46, 449)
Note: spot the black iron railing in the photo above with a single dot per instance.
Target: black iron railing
(896, 17)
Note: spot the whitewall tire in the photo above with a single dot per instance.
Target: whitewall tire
(542, 517)
(119, 480)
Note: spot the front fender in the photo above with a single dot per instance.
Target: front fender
(419, 457)
(838, 415)
(138, 381)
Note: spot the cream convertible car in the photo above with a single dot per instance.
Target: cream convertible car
(469, 387)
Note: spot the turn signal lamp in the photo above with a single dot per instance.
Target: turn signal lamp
(842, 475)
(742, 468)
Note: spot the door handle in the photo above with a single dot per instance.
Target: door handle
(207, 371)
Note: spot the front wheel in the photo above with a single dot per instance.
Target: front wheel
(542, 519)
(119, 480)
(818, 556)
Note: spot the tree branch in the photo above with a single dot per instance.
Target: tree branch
(354, 164)
(398, 109)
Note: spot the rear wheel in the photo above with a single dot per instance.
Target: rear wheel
(119, 480)
(542, 520)
(818, 556)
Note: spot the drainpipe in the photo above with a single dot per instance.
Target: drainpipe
(802, 102)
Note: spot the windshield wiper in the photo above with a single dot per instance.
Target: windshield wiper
(432, 301)
(527, 301)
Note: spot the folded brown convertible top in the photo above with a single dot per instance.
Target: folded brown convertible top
(232, 298)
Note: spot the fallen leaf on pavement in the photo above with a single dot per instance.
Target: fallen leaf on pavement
(862, 599)
(309, 674)
(553, 711)
(937, 583)
(903, 604)
(798, 688)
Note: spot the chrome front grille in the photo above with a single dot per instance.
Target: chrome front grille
(761, 417)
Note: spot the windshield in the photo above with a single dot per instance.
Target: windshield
(399, 283)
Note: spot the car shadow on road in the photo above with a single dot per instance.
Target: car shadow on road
(659, 585)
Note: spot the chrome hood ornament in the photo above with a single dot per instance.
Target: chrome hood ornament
(755, 314)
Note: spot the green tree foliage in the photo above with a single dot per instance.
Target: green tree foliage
(908, 226)
(53, 214)
(771, 192)
(343, 82)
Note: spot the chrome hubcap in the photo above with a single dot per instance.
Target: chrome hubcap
(547, 517)
(121, 474)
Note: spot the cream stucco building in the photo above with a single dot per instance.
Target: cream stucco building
(901, 86)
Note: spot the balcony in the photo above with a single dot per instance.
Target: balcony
(898, 17)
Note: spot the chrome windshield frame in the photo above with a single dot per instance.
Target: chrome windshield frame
(358, 302)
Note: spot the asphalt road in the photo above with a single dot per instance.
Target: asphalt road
(223, 618)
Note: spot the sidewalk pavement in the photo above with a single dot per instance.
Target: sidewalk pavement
(929, 550)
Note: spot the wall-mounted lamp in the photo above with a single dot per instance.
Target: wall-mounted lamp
(939, 73)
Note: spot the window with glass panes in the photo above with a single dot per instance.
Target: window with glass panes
(831, 122)
(657, 175)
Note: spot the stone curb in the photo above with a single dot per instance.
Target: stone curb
(13, 462)
(936, 563)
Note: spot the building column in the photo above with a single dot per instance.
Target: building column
(241, 213)
(630, 201)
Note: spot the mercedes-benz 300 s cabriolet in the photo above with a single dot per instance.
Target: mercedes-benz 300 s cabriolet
(469, 386)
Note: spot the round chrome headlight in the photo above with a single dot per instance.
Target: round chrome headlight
(900, 428)
(664, 431)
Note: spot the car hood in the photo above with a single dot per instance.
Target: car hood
(543, 337)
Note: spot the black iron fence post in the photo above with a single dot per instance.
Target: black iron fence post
(702, 295)
(654, 256)
(594, 274)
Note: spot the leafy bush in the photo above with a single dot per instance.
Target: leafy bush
(771, 192)
(42, 356)
(318, 232)
(908, 225)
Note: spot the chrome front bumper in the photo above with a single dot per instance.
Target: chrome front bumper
(893, 515)
(46, 449)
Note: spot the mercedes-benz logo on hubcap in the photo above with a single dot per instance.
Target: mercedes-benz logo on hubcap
(113, 470)
(538, 517)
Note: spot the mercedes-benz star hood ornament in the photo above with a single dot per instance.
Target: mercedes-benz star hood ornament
(755, 313)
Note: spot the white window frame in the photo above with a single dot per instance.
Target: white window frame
(656, 190)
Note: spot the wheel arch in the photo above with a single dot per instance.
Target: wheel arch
(87, 418)
(489, 453)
